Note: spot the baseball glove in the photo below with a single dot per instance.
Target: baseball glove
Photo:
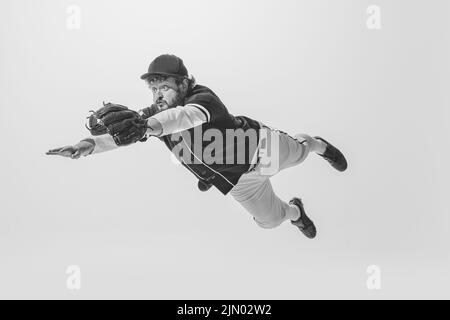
(149, 111)
(124, 125)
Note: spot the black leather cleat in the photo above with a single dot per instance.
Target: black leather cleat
(304, 223)
(333, 156)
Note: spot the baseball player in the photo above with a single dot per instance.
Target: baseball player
(196, 126)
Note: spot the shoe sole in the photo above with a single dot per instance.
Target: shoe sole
(339, 167)
(309, 233)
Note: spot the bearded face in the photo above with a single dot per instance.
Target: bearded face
(168, 93)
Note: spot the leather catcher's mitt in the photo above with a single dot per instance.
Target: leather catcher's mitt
(124, 125)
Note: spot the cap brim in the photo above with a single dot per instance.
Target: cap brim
(147, 75)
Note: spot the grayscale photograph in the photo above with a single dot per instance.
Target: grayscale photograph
(225, 150)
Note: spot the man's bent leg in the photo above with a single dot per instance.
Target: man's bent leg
(254, 192)
(293, 150)
(315, 145)
(254, 189)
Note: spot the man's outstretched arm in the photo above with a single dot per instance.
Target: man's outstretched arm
(160, 124)
(176, 119)
(101, 143)
(154, 127)
(173, 120)
(87, 146)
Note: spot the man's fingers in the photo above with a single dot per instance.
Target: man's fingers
(76, 155)
(54, 151)
(66, 151)
(67, 148)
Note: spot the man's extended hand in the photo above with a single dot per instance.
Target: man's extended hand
(83, 148)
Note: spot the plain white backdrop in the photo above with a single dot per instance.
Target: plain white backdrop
(136, 224)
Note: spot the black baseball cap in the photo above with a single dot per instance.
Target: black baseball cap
(167, 65)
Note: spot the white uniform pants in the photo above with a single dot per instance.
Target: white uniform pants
(254, 189)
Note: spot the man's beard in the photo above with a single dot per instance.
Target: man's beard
(178, 101)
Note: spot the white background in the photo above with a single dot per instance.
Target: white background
(136, 224)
